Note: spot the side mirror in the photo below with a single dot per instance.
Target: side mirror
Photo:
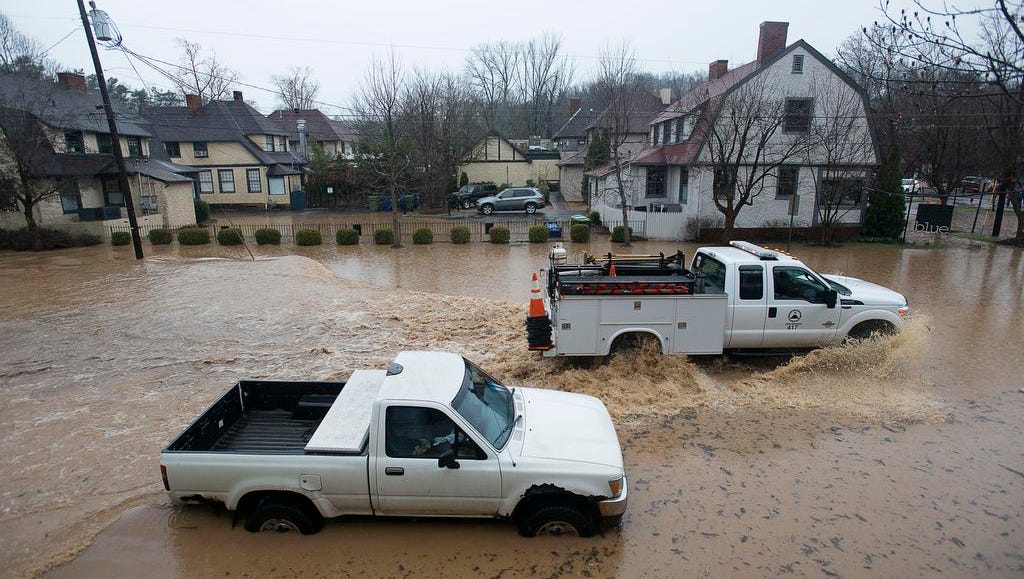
(447, 460)
(831, 297)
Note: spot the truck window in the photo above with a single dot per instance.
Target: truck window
(486, 404)
(416, 432)
(713, 270)
(751, 282)
(795, 283)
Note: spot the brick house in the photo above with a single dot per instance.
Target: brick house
(240, 157)
(64, 126)
(675, 170)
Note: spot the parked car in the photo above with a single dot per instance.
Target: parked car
(468, 195)
(528, 199)
(912, 185)
(432, 435)
(976, 185)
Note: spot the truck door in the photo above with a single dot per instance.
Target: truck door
(409, 480)
(797, 312)
(749, 308)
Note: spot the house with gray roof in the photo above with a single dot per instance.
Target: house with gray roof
(60, 131)
(240, 157)
(336, 138)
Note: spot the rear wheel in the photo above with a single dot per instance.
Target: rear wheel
(556, 520)
(487, 209)
(531, 208)
(282, 516)
(466, 203)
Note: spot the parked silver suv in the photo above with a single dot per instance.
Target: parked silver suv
(528, 199)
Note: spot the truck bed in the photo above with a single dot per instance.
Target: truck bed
(260, 417)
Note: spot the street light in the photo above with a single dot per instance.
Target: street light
(104, 31)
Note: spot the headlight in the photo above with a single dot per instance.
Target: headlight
(616, 486)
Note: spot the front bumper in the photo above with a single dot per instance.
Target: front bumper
(617, 506)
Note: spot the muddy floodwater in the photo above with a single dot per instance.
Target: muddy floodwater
(896, 457)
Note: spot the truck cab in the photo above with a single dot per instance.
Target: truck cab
(776, 301)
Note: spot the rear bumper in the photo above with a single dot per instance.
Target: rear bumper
(617, 506)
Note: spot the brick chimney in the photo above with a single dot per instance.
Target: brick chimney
(238, 94)
(193, 102)
(574, 105)
(717, 68)
(71, 80)
(772, 39)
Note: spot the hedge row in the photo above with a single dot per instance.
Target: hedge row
(22, 240)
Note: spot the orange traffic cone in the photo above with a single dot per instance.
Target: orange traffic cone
(536, 303)
(611, 271)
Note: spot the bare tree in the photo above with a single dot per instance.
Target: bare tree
(840, 147)
(20, 54)
(297, 89)
(386, 148)
(620, 84)
(746, 144)
(493, 73)
(24, 150)
(545, 74)
(203, 74)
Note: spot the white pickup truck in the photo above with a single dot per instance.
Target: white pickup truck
(737, 298)
(433, 435)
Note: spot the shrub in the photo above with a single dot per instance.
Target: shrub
(538, 234)
(193, 236)
(579, 233)
(120, 238)
(384, 236)
(267, 236)
(460, 234)
(531, 183)
(618, 234)
(160, 236)
(373, 203)
(595, 217)
(202, 210)
(347, 237)
(229, 236)
(21, 240)
(307, 237)
(499, 235)
(423, 236)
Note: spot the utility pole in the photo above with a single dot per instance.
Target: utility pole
(115, 137)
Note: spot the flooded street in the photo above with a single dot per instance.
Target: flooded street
(900, 456)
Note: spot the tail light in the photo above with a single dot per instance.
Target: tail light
(542, 200)
(163, 474)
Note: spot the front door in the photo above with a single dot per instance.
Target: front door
(750, 307)
(505, 200)
(797, 312)
(409, 480)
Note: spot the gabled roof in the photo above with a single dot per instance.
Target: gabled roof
(318, 125)
(706, 91)
(527, 156)
(61, 107)
(643, 107)
(576, 126)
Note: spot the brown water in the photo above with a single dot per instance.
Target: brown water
(900, 456)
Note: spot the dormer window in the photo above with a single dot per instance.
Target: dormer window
(270, 143)
(134, 146)
(74, 142)
(798, 64)
(684, 126)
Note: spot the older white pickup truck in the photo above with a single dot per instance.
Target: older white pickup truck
(740, 297)
(433, 435)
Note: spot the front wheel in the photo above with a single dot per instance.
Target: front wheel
(466, 203)
(558, 521)
(487, 209)
(531, 208)
(870, 328)
(283, 517)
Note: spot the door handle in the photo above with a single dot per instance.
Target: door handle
(394, 471)
(772, 312)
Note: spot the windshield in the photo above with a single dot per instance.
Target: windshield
(485, 404)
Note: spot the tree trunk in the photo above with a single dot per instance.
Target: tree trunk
(396, 225)
(32, 226)
(626, 233)
(730, 222)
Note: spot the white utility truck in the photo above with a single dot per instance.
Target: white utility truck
(737, 298)
(433, 436)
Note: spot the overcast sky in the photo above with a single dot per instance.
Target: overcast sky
(336, 39)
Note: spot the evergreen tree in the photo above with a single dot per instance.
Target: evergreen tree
(885, 214)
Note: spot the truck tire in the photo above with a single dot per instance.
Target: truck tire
(280, 516)
(556, 520)
(865, 330)
(487, 209)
